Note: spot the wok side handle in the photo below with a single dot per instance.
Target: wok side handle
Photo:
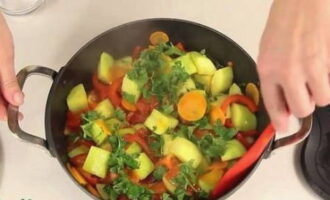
(13, 111)
(299, 136)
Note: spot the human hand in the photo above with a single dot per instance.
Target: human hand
(9, 89)
(294, 59)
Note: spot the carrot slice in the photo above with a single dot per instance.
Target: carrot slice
(127, 105)
(158, 188)
(158, 37)
(93, 191)
(76, 175)
(192, 106)
(252, 91)
(217, 114)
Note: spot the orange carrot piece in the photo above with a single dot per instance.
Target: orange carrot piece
(76, 175)
(192, 106)
(93, 191)
(158, 37)
(127, 105)
(217, 114)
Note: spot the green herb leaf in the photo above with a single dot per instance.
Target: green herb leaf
(89, 117)
(212, 147)
(186, 177)
(156, 143)
(128, 97)
(122, 185)
(225, 133)
(119, 114)
(166, 196)
(119, 159)
(159, 172)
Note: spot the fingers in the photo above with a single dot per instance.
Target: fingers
(298, 97)
(3, 111)
(8, 82)
(275, 105)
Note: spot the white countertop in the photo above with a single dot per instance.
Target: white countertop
(52, 34)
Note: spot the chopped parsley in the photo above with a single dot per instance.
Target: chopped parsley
(119, 159)
(185, 178)
(212, 147)
(156, 143)
(89, 117)
(119, 114)
(159, 172)
(223, 132)
(123, 186)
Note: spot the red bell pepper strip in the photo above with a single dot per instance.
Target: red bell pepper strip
(91, 179)
(180, 46)
(234, 174)
(114, 92)
(237, 98)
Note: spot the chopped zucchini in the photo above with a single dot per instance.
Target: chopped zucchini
(96, 162)
(103, 70)
(77, 151)
(124, 61)
(96, 130)
(222, 80)
(234, 89)
(187, 63)
(105, 108)
(146, 166)
(113, 124)
(205, 80)
(130, 87)
(167, 138)
(159, 122)
(77, 99)
(209, 180)
(125, 131)
(186, 151)
(133, 148)
(187, 86)
(243, 119)
(203, 64)
(234, 149)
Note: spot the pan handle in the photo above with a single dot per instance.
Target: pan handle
(299, 136)
(13, 110)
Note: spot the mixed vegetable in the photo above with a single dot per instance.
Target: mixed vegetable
(164, 123)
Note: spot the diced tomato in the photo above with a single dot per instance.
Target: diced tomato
(78, 160)
(109, 178)
(91, 179)
(114, 92)
(142, 142)
(144, 108)
(199, 133)
(123, 197)
(86, 143)
(73, 120)
(229, 123)
(242, 139)
(158, 188)
(101, 88)
(249, 133)
(180, 46)
(136, 52)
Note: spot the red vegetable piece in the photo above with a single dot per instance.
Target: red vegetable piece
(101, 88)
(136, 52)
(78, 160)
(234, 174)
(73, 120)
(241, 99)
(242, 140)
(114, 92)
